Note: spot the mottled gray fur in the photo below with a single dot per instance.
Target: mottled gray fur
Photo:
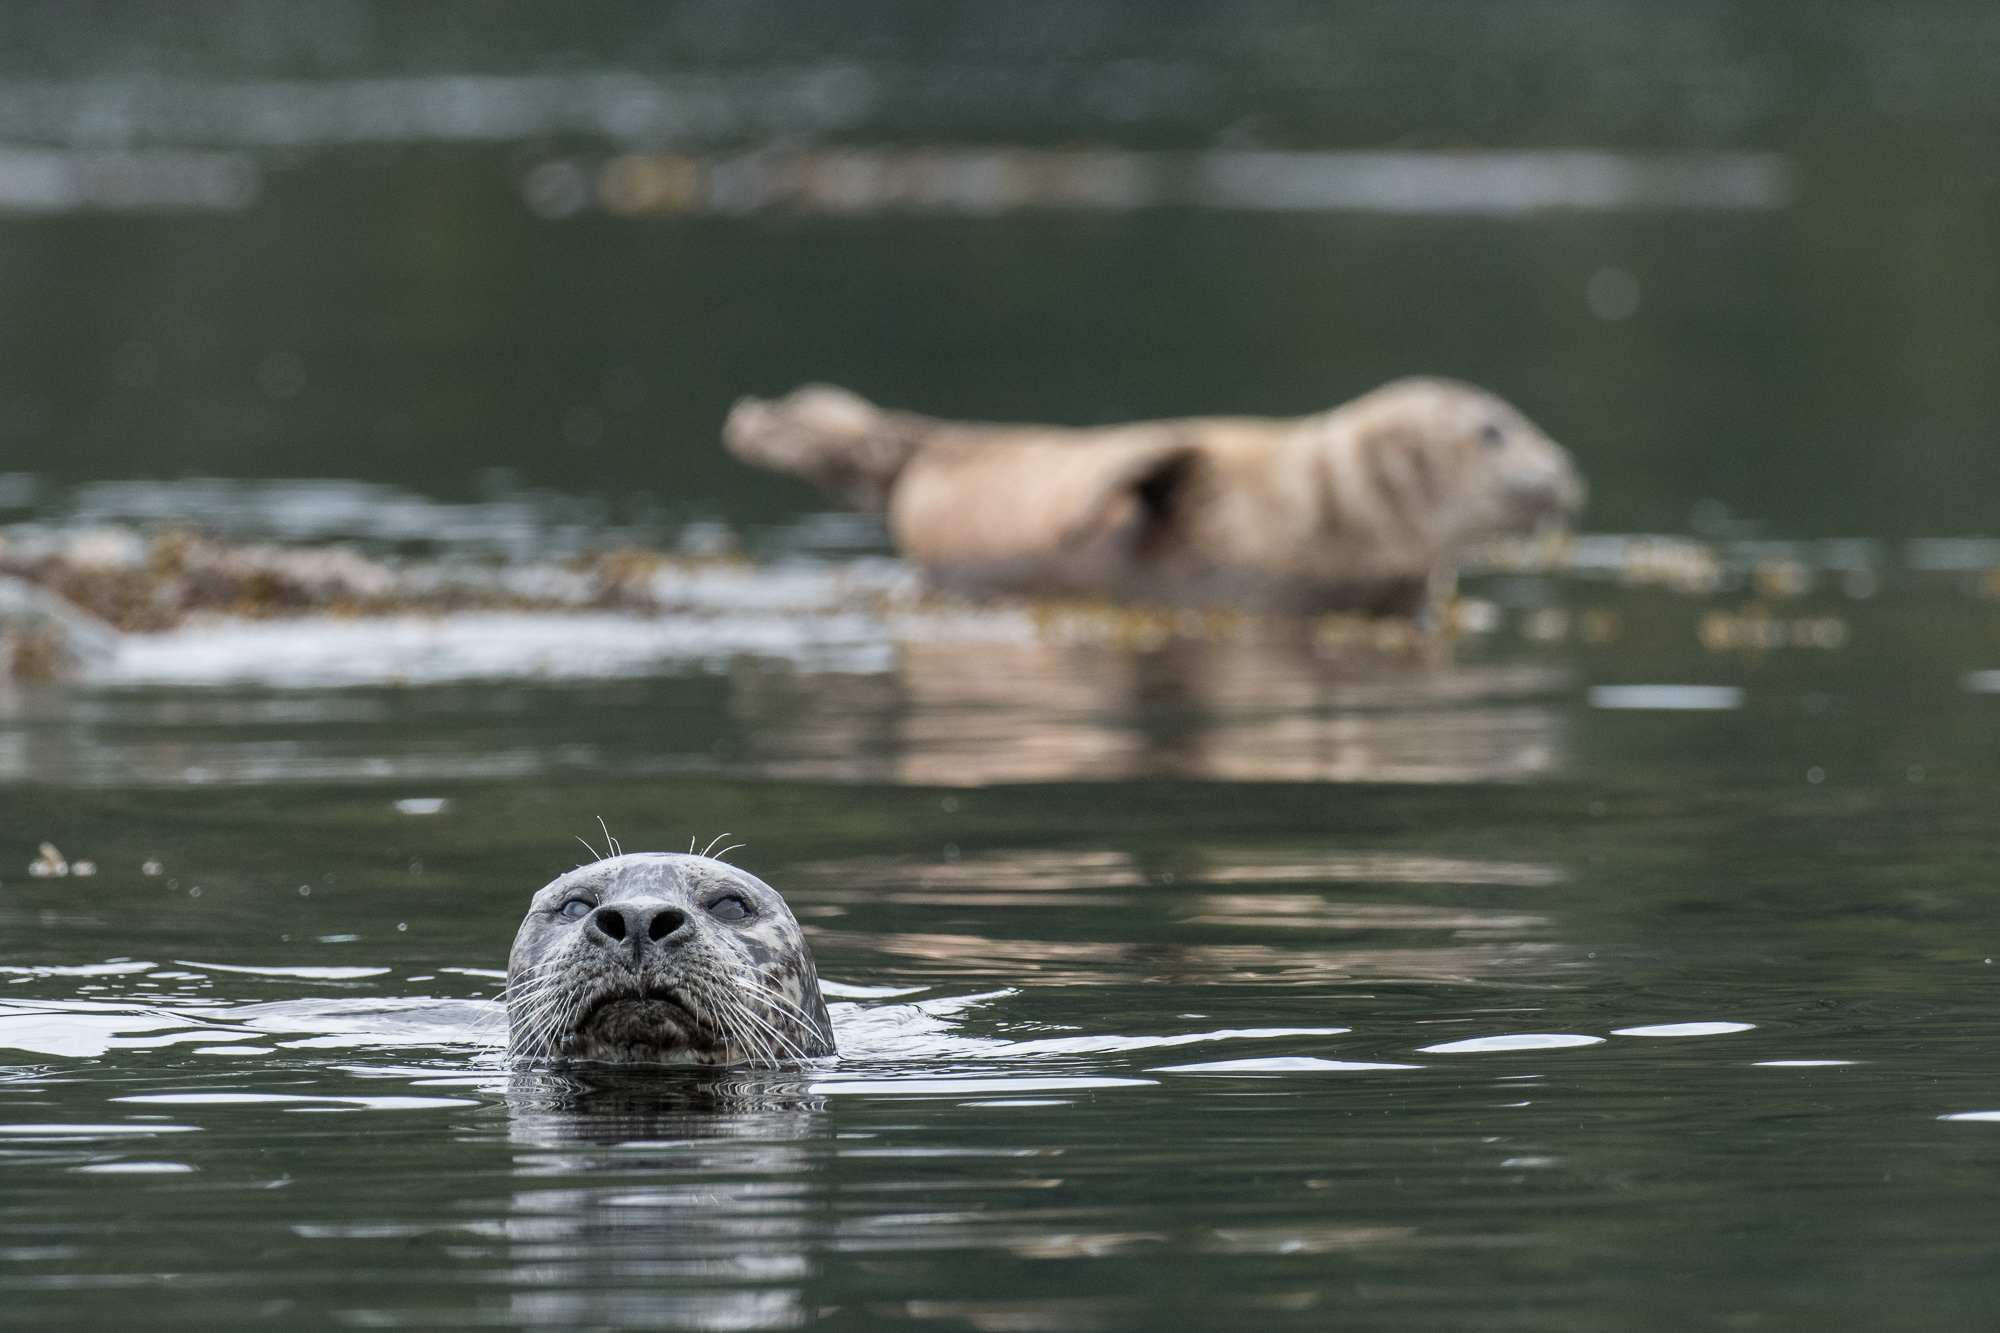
(639, 959)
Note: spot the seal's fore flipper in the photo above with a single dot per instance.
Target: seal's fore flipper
(1135, 492)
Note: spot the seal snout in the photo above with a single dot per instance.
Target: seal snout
(1554, 489)
(642, 923)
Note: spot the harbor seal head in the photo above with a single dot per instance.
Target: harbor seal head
(1450, 462)
(655, 958)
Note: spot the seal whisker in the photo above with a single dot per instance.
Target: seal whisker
(752, 982)
(535, 1002)
(470, 1030)
(529, 978)
(711, 844)
(771, 1032)
(729, 1016)
(537, 1027)
(762, 1038)
(787, 1010)
(765, 1023)
(783, 1004)
(725, 1016)
(528, 992)
(610, 841)
(588, 848)
(561, 1017)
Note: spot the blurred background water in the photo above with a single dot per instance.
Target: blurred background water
(464, 249)
(1617, 957)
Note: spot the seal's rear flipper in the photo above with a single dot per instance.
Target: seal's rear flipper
(838, 441)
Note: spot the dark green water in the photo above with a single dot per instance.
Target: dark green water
(1658, 867)
(391, 308)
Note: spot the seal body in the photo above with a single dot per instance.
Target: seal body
(655, 958)
(1363, 508)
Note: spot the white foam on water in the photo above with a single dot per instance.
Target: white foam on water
(60, 1029)
(315, 652)
(349, 1022)
(421, 805)
(922, 1030)
(86, 970)
(90, 1028)
(841, 990)
(1106, 1044)
(1683, 1030)
(1796, 1064)
(309, 973)
(1276, 1064)
(916, 1086)
(269, 1098)
(1516, 1041)
(94, 1131)
(864, 1032)
(134, 1169)
(1668, 697)
(1973, 1115)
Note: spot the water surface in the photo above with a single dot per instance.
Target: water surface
(1189, 982)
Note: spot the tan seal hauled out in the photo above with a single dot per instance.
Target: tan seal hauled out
(1356, 509)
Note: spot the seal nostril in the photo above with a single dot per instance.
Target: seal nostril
(610, 921)
(666, 923)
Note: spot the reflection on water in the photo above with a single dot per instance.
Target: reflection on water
(973, 714)
(844, 670)
(1503, 946)
(1089, 963)
(832, 672)
(700, 1180)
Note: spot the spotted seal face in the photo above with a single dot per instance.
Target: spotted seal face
(652, 958)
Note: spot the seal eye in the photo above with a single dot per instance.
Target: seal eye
(1492, 436)
(576, 909)
(729, 909)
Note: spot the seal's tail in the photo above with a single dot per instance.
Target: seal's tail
(837, 440)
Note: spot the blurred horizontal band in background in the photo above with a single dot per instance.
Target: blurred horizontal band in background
(616, 105)
(999, 180)
(977, 181)
(50, 180)
(1723, 253)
